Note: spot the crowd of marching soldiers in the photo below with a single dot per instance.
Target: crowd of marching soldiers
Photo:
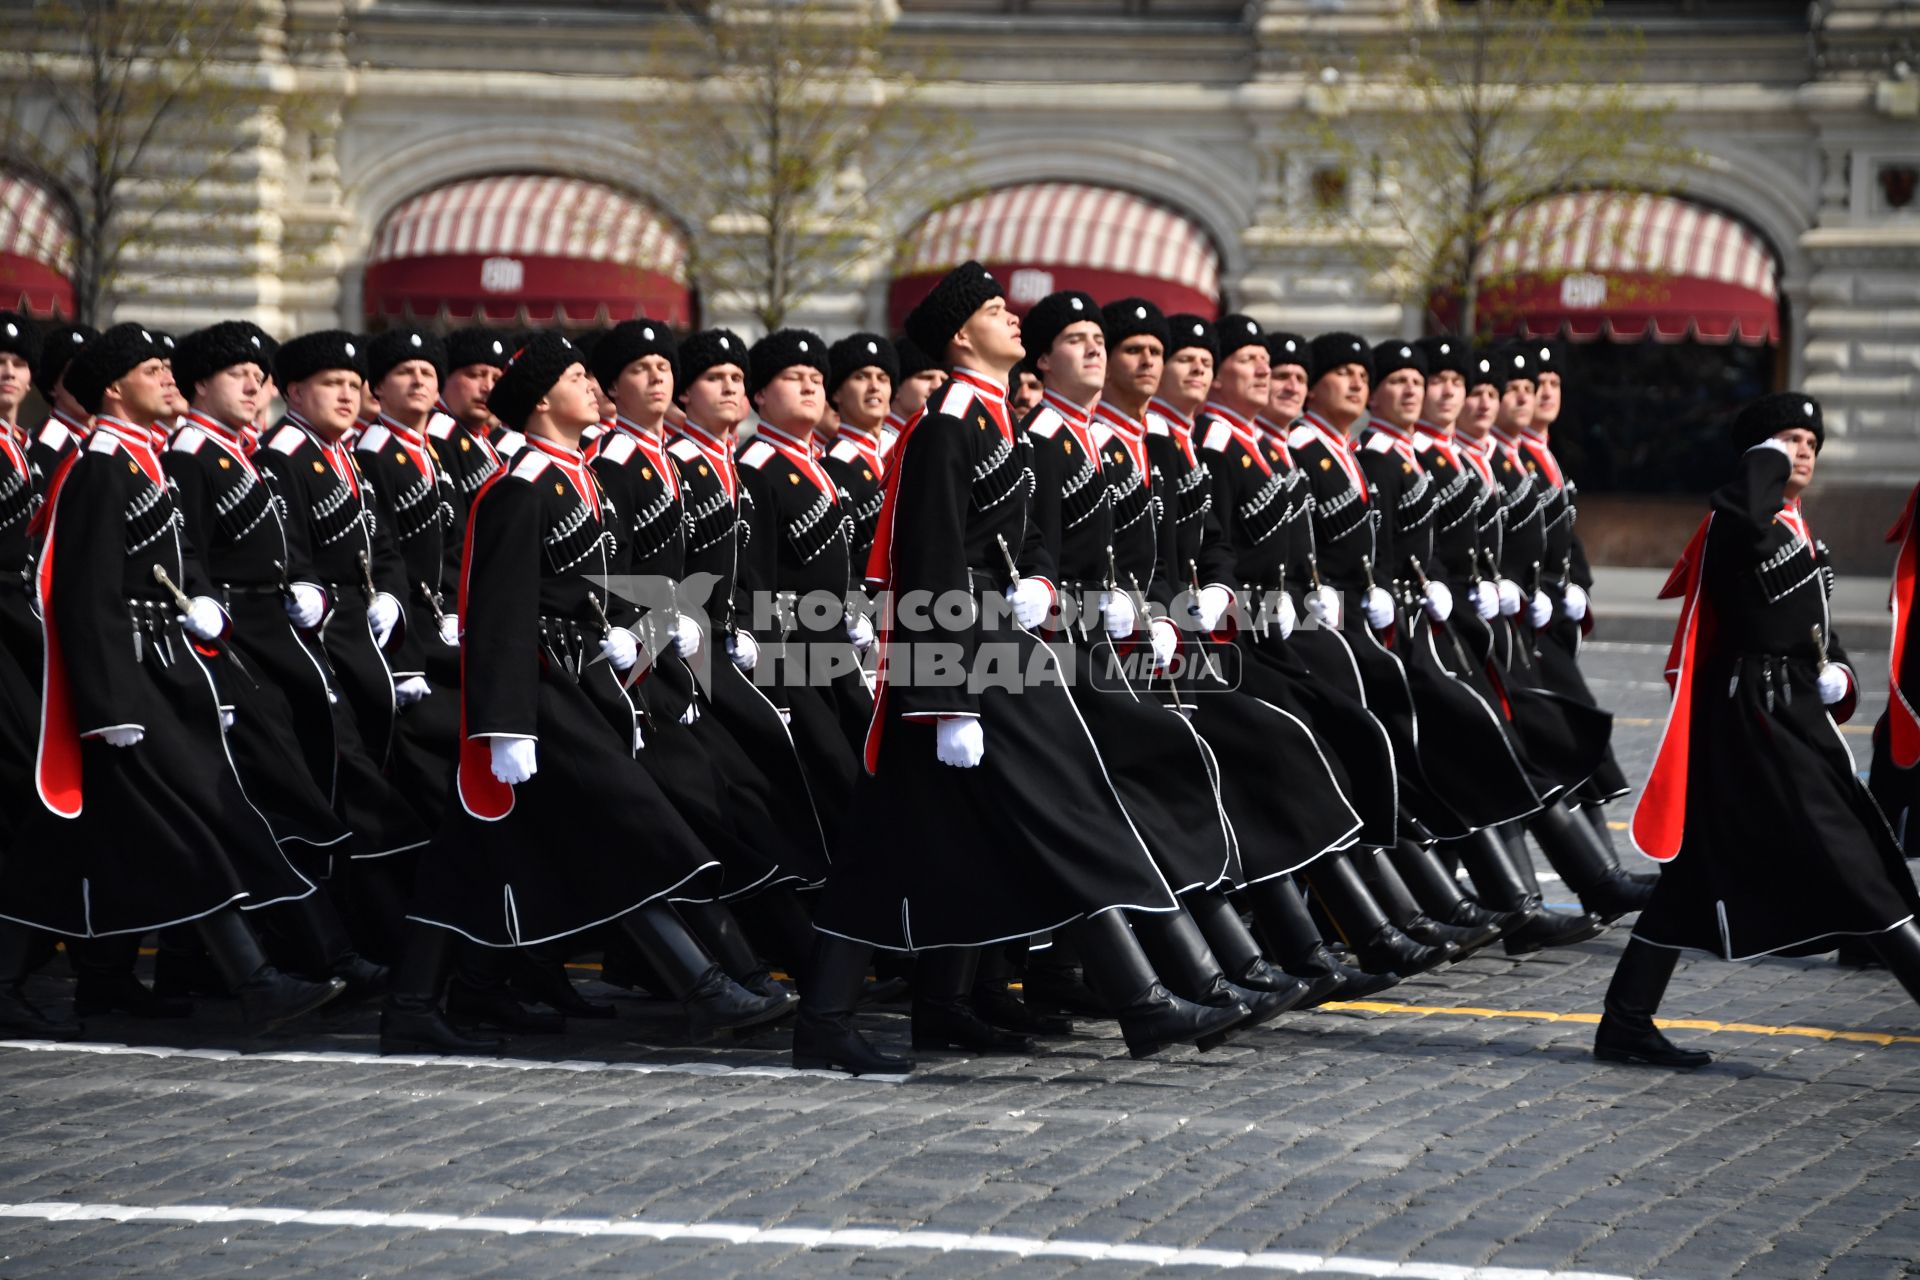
(492, 654)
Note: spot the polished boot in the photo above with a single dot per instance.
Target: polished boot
(824, 1037)
(1626, 1032)
(105, 982)
(1151, 1017)
(411, 1020)
(539, 978)
(1287, 929)
(1596, 816)
(182, 969)
(1406, 913)
(713, 1001)
(20, 1016)
(1178, 951)
(1501, 885)
(1233, 944)
(1376, 943)
(1427, 875)
(323, 935)
(996, 1004)
(1056, 981)
(480, 995)
(1582, 861)
(779, 920)
(268, 997)
(719, 931)
(1899, 950)
(944, 1016)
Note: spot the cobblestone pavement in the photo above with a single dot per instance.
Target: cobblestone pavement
(1428, 1136)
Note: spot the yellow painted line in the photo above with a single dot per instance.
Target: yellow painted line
(1646, 722)
(1680, 1024)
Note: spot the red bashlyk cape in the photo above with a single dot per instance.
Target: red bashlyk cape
(57, 763)
(880, 578)
(481, 794)
(1903, 722)
(1660, 819)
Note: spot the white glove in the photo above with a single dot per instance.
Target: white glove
(961, 742)
(1287, 615)
(306, 606)
(1031, 600)
(620, 649)
(514, 760)
(449, 628)
(203, 620)
(686, 636)
(1379, 608)
(860, 632)
(1575, 603)
(1211, 605)
(1439, 601)
(1323, 604)
(411, 690)
(124, 737)
(1120, 614)
(1833, 683)
(1486, 600)
(1510, 597)
(382, 614)
(1166, 640)
(744, 650)
(1542, 611)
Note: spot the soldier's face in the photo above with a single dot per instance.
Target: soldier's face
(465, 392)
(991, 336)
(1400, 396)
(1027, 391)
(1076, 364)
(1479, 410)
(1800, 443)
(1446, 392)
(717, 399)
(231, 396)
(1516, 405)
(16, 375)
(863, 398)
(369, 407)
(571, 403)
(176, 398)
(1286, 393)
(143, 394)
(408, 391)
(1546, 400)
(1242, 381)
(329, 400)
(1188, 378)
(1340, 395)
(644, 389)
(794, 400)
(1136, 366)
(913, 393)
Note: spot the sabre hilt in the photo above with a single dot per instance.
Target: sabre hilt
(600, 614)
(165, 579)
(432, 598)
(1820, 643)
(1006, 553)
(366, 576)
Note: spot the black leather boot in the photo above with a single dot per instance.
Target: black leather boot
(824, 1037)
(268, 997)
(323, 936)
(943, 1013)
(1178, 951)
(1056, 981)
(1899, 950)
(1233, 944)
(20, 1016)
(996, 1004)
(1626, 1032)
(713, 1001)
(541, 978)
(105, 982)
(1570, 845)
(1151, 1017)
(1489, 860)
(1428, 876)
(1376, 943)
(1287, 928)
(182, 969)
(720, 932)
(1596, 816)
(411, 1020)
(1406, 913)
(480, 995)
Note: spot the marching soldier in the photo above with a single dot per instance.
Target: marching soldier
(141, 822)
(541, 652)
(1017, 829)
(469, 446)
(1770, 843)
(920, 376)
(861, 389)
(19, 499)
(65, 429)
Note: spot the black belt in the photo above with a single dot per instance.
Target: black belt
(252, 589)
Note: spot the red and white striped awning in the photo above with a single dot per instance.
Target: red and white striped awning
(36, 248)
(528, 249)
(1629, 265)
(1046, 236)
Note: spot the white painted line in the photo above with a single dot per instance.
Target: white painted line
(429, 1060)
(858, 1238)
